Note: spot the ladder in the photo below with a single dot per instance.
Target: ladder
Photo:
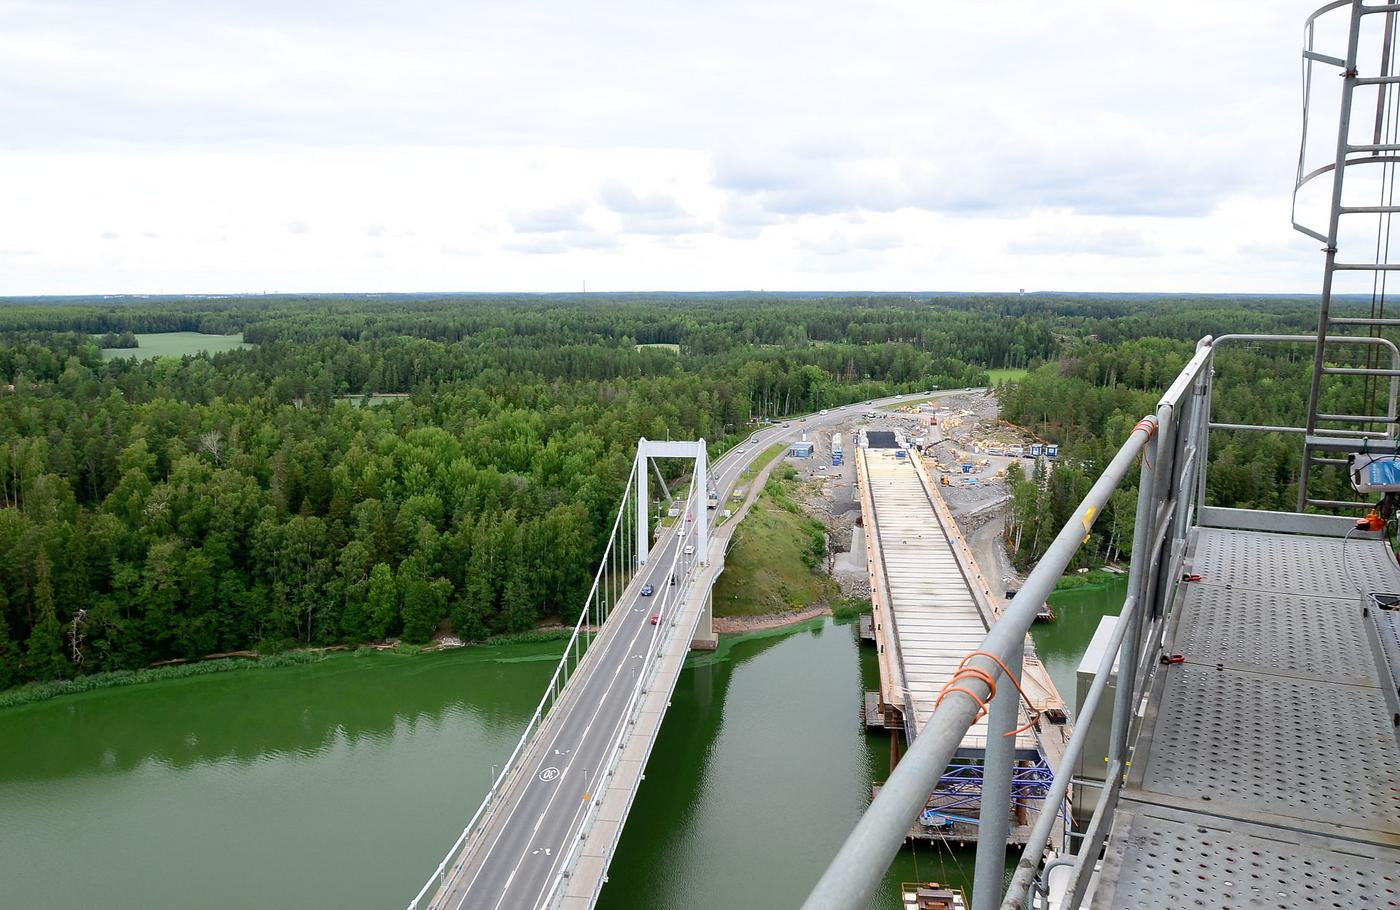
(1328, 434)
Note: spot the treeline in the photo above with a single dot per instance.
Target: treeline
(1090, 400)
(176, 507)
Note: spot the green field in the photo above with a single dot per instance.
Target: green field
(673, 348)
(176, 344)
(773, 563)
(1006, 374)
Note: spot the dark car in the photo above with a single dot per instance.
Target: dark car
(655, 618)
(646, 590)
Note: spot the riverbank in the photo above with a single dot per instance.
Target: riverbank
(32, 693)
(739, 625)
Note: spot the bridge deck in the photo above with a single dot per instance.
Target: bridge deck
(1267, 772)
(935, 612)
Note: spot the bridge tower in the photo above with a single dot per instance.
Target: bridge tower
(699, 492)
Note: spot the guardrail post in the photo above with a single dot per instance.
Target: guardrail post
(1138, 584)
(994, 814)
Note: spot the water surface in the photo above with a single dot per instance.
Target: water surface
(341, 784)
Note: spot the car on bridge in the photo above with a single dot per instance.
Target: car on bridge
(647, 590)
(655, 618)
(690, 549)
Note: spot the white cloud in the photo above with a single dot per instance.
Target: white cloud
(504, 146)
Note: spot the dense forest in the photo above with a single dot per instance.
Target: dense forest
(1092, 396)
(155, 509)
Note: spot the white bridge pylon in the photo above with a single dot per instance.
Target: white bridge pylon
(699, 493)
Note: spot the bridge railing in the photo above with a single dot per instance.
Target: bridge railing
(1169, 446)
(672, 602)
(614, 571)
(1172, 445)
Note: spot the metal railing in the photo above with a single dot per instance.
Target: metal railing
(614, 572)
(1173, 445)
(672, 601)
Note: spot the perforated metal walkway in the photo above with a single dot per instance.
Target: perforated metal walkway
(1267, 772)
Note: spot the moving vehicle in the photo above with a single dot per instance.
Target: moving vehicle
(647, 590)
(655, 618)
(824, 412)
(689, 549)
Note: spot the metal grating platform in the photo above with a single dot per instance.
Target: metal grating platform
(1256, 745)
(1166, 858)
(1266, 772)
(1293, 564)
(1298, 634)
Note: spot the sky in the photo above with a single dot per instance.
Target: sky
(966, 145)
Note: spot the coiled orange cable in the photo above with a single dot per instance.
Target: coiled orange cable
(966, 672)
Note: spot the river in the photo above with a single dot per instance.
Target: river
(341, 783)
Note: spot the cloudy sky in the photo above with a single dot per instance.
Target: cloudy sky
(302, 145)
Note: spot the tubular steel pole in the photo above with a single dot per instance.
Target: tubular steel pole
(994, 814)
(1137, 574)
(1040, 834)
(859, 867)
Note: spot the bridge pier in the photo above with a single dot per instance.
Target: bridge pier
(705, 638)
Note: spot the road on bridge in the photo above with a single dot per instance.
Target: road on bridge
(514, 862)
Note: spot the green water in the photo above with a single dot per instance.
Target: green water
(340, 784)
(1060, 644)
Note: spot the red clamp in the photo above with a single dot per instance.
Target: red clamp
(1173, 658)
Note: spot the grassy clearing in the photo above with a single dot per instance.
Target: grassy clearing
(775, 563)
(673, 348)
(1006, 374)
(763, 460)
(176, 344)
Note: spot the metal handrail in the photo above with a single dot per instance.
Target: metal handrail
(673, 598)
(1171, 488)
(551, 696)
(1166, 502)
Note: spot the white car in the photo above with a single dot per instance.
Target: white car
(680, 532)
(690, 549)
(899, 396)
(825, 412)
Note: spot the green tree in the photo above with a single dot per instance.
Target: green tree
(44, 658)
(383, 602)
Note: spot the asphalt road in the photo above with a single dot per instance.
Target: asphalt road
(514, 861)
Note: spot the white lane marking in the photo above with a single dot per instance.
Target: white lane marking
(737, 465)
(569, 828)
(603, 657)
(600, 702)
(583, 738)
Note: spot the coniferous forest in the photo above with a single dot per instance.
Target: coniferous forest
(174, 507)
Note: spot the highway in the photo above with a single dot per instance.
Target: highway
(514, 860)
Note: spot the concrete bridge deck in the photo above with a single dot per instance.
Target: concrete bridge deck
(932, 604)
